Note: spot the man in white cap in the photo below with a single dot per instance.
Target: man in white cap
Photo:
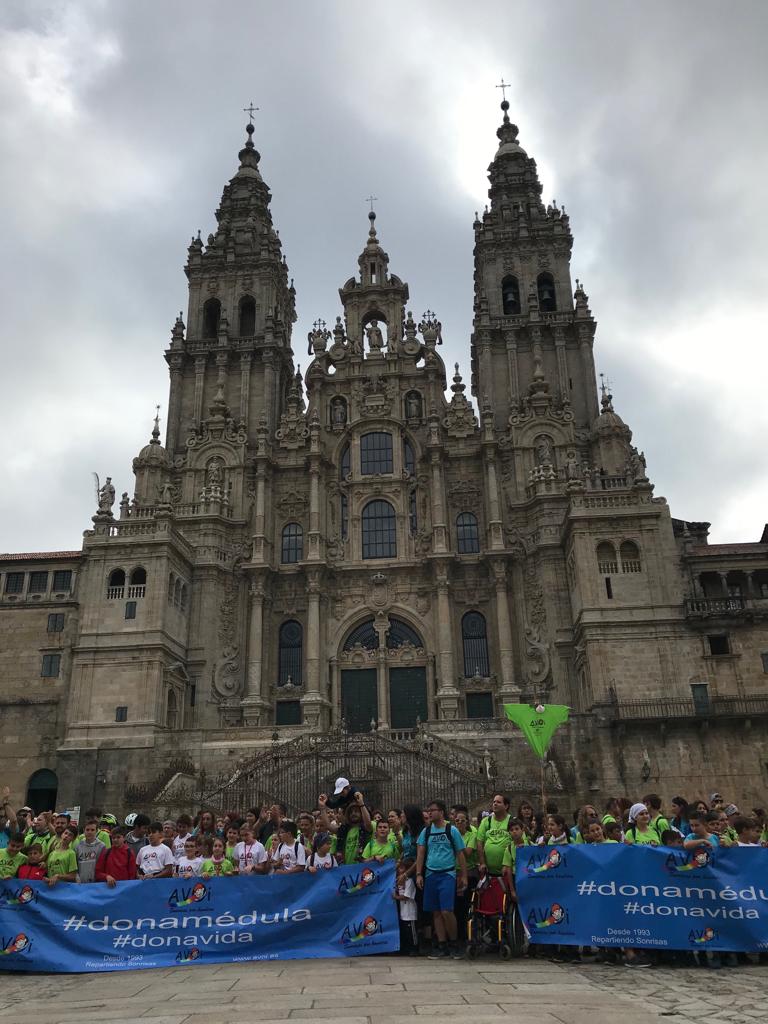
(344, 794)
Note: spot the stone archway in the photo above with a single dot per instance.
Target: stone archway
(384, 676)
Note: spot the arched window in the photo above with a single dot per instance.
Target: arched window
(291, 642)
(409, 461)
(116, 583)
(379, 530)
(400, 633)
(376, 453)
(344, 465)
(138, 577)
(42, 789)
(293, 543)
(247, 316)
(510, 295)
(474, 640)
(545, 286)
(364, 635)
(630, 557)
(211, 317)
(606, 559)
(467, 534)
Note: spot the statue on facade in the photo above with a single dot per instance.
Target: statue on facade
(572, 467)
(413, 405)
(106, 496)
(374, 336)
(545, 452)
(338, 412)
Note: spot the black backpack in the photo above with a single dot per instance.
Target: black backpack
(428, 833)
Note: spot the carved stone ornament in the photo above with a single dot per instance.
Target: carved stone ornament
(216, 429)
(293, 504)
(378, 595)
(293, 430)
(464, 494)
(226, 674)
(460, 420)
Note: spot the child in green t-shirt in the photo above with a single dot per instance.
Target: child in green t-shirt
(11, 858)
(380, 847)
(518, 838)
(62, 862)
(217, 863)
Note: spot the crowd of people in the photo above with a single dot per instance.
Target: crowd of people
(442, 854)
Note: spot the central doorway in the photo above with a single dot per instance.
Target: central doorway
(407, 697)
(359, 698)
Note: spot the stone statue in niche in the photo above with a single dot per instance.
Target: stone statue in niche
(106, 497)
(413, 405)
(374, 336)
(338, 412)
(545, 452)
(572, 467)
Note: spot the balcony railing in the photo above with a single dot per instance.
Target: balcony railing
(715, 605)
(115, 593)
(137, 590)
(714, 707)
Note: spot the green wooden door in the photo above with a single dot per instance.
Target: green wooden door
(407, 697)
(359, 702)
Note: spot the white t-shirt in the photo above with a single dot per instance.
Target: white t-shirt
(289, 855)
(178, 845)
(248, 855)
(408, 909)
(317, 860)
(186, 868)
(152, 859)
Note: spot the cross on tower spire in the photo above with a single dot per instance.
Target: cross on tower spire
(371, 199)
(503, 86)
(250, 110)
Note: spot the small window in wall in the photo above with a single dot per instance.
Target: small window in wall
(62, 580)
(344, 465)
(50, 666)
(607, 563)
(700, 695)
(292, 549)
(56, 622)
(467, 534)
(479, 705)
(475, 645)
(211, 317)
(14, 582)
(630, 557)
(409, 462)
(379, 530)
(376, 453)
(764, 658)
(130, 609)
(608, 588)
(38, 582)
(545, 286)
(288, 712)
(247, 317)
(290, 653)
(121, 713)
(719, 644)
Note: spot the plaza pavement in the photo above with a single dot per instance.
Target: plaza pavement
(390, 990)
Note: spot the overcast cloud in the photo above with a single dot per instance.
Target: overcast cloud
(121, 121)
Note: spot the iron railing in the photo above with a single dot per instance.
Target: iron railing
(714, 707)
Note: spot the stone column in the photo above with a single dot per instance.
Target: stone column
(314, 704)
(509, 691)
(382, 687)
(268, 360)
(562, 364)
(335, 692)
(431, 702)
(495, 528)
(514, 371)
(439, 528)
(447, 692)
(173, 426)
(588, 362)
(245, 385)
(197, 413)
(255, 707)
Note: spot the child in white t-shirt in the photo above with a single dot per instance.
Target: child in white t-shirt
(190, 863)
(405, 894)
(249, 855)
(320, 858)
(155, 860)
(289, 855)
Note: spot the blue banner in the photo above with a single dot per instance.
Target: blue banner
(347, 911)
(644, 896)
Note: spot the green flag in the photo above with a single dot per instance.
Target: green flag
(538, 723)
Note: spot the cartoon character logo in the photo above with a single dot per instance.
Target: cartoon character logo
(184, 898)
(700, 938)
(188, 956)
(555, 916)
(19, 897)
(699, 858)
(368, 927)
(554, 860)
(20, 944)
(367, 877)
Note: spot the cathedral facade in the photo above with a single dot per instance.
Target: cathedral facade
(360, 549)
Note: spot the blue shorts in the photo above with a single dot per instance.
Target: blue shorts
(439, 890)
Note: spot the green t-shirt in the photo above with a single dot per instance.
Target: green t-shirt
(470, 848)
(62, 862)
(224, 867)
(510, 854)
(661, 824)
(45, 841)
(374, 848)
(10, 865)
(649, 838)
(495, 835)
(350, 844)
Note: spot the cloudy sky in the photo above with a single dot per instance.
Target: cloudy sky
(120, 122)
